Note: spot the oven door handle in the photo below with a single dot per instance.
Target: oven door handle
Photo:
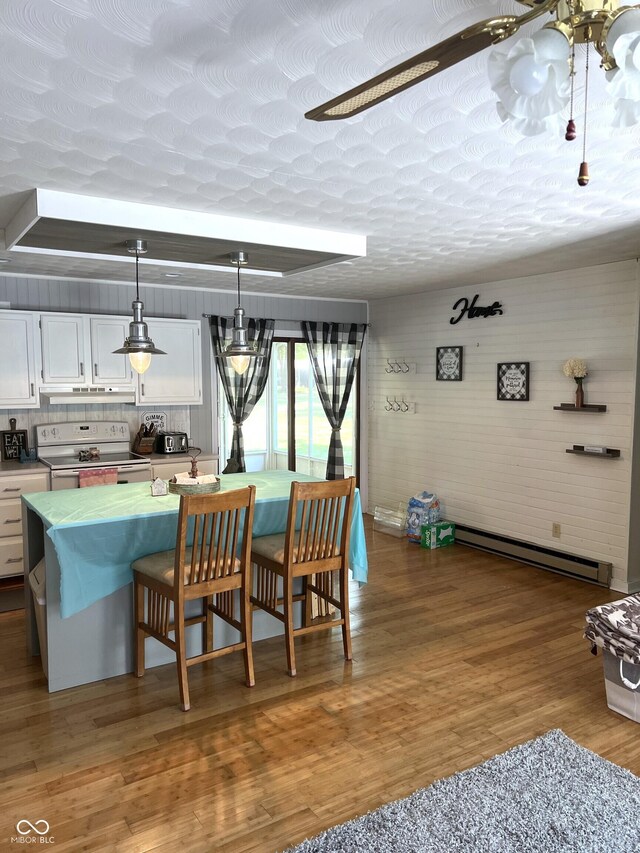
(122, 469)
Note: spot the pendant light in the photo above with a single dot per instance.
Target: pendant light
(239, 352)
(138, 346)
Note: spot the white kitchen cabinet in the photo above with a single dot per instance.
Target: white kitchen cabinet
(174, 378)
(66, 349)
(20, 358)
(107, 368)
(12, 487)
(78, 350)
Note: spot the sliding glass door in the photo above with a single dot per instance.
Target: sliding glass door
(288, 429)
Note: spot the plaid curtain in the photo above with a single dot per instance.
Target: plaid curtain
(334, 350)
(242, 391)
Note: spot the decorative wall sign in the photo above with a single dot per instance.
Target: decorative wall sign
(513, 380)
(12, 441)
(158, 419)
(472, 310)
(449, 363)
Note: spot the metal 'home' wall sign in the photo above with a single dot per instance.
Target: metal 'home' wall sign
(472, 310)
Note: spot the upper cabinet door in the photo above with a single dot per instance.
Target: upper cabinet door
(174, 378)
(107, 335)
(18, 353)
(65, 347)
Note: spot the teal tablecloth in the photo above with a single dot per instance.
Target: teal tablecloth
(98, 532)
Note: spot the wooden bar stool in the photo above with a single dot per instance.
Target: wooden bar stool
(208, 570)
(317, 551)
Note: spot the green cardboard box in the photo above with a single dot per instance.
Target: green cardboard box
(437, 534)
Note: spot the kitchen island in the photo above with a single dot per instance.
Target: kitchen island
(88, 539)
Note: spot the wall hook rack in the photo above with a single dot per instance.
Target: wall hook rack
(397, 366)
(402, 405)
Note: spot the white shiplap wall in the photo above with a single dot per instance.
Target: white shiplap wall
(502, 466)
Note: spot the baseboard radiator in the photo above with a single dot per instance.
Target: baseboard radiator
(536, 555)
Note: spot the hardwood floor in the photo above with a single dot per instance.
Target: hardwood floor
(457, 656)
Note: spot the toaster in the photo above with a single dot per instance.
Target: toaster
(171, 442)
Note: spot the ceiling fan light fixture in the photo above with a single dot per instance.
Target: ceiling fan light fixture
(138, 345)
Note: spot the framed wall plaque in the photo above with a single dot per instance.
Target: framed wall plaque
(513, 380)
(449, 364)
(12, 441)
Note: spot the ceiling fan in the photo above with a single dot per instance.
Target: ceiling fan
(578, 21)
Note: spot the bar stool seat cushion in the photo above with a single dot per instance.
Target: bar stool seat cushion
(272, 547)
(159, 566)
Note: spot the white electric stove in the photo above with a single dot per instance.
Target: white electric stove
(68, 448)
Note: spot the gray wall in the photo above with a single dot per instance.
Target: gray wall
(92, 297)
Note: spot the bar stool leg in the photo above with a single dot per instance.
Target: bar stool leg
(181, 661)
(139, 634)
(344, 612)
(288, 624)
(207, 627)
(246, 618)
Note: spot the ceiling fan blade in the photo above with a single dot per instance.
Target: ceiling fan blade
(431, 61)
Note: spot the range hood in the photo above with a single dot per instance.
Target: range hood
(70, 395)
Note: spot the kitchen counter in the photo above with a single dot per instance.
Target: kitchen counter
(10, 469)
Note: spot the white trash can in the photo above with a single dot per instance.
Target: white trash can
(622, 683)
(37, 584)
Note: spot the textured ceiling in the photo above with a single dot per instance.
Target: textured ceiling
(199, 105)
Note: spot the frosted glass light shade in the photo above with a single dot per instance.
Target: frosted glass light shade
(623, 82)
(532, 81)
(626, 23)
(140, 361)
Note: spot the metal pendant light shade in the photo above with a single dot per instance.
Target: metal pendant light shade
(240, 351)
(138, 345)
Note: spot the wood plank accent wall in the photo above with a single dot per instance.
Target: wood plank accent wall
(35, 294)
(501, 466)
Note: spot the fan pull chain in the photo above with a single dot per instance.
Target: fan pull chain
(583, 175)
(570, 135)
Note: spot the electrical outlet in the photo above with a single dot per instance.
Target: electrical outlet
(555, 530)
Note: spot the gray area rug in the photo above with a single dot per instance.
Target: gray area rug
(548, 795)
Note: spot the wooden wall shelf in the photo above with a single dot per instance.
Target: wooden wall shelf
(571, 407)
(609, 453)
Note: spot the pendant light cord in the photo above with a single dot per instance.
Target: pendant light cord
(239, 306)
(137, 281)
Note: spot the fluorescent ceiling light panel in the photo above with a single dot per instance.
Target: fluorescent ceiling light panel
(59, 223)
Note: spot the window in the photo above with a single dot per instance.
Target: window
(267, 430)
